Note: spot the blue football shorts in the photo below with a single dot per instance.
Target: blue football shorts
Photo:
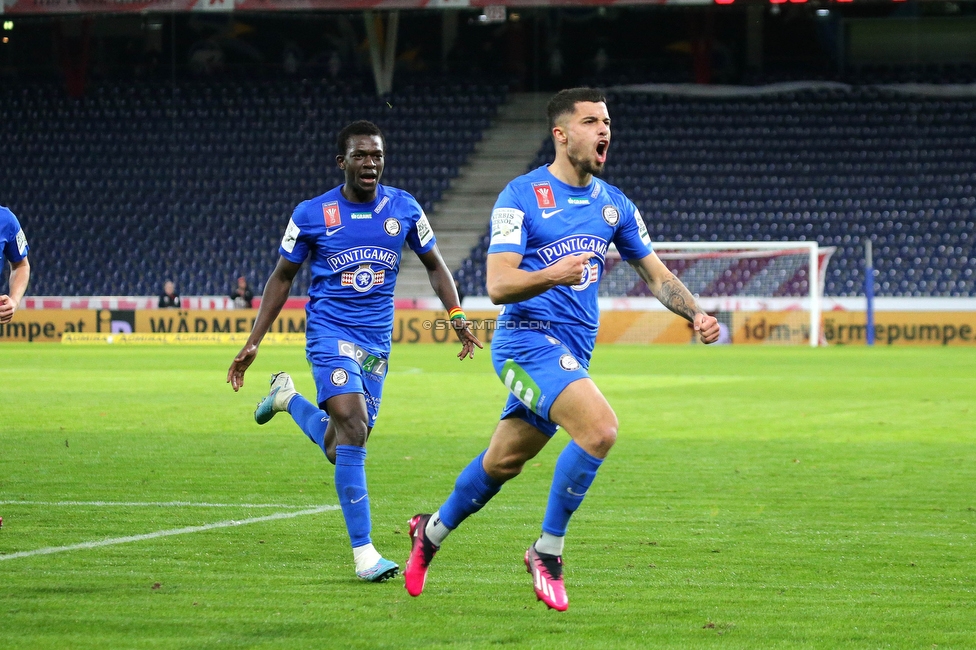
(535, 367)
(341, 367)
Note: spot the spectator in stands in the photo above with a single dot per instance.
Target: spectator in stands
(242, 294)
(13, 248)
(353, 237)
(169, 297)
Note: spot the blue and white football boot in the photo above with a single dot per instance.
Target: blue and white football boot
(282, 390)
(382, 571)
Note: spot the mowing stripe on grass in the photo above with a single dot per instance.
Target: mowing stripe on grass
(166, 533)
(155, 504)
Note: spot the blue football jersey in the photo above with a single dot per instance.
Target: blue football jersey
(354, 253)
(544, 220)
(13, 242)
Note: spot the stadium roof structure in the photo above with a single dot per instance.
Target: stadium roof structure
(25, 7)
(143, 6)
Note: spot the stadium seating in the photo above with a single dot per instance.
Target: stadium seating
(672, 70)
(839, 166)
(141, 182)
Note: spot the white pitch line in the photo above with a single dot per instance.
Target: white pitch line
(166, 533)
(153, 504)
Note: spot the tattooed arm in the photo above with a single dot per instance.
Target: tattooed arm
(674, 295)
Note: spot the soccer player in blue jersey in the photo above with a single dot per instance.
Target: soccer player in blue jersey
(13, 248)
(550, 231)
(353, 237)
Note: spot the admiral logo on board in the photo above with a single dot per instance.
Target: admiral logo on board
(543, 194)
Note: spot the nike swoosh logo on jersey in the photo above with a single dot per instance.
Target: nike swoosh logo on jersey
(546, 215)
(331, 231)
(359, 499)
(570, 490)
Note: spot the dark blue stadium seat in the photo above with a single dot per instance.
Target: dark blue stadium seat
(836, 166)
(137, 183)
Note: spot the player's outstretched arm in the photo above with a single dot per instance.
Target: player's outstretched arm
(19, 277)
(507, 283)
(674, 295)
(443, 285)
(275, 294)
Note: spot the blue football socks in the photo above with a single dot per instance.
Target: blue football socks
(350, 484)
(310, 418)
(472, 490)
(575, 471)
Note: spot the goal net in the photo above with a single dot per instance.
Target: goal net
(761, 292)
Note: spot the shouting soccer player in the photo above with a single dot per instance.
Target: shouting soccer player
(550, 230)
(354, 235)
(13, 248)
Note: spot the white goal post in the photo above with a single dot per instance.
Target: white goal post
(734, 277)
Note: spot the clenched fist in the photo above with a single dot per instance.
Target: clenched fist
(569, 270)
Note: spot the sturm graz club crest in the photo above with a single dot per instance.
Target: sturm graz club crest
(611, 215)
(339, 377)
(568, 362)
(392, 227)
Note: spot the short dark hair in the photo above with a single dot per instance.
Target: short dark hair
(359, 127)
(565, 102)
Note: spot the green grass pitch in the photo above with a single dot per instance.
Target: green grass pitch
(756, 498)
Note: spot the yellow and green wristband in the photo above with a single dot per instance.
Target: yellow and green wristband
(455, 313)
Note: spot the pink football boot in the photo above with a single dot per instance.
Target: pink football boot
(547, 578)
(421, 553)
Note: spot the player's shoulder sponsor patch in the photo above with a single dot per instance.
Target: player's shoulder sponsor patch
(543, 194)
(382, 204)
(21, 241)
(641, 227)
(291, 236)
(424, 231)
(506, 226)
